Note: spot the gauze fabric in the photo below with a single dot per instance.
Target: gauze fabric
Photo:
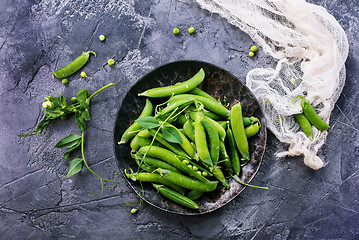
(311, 49)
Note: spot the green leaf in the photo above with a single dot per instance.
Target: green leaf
(84, 104)
(148, 122)
(171, 134)
(67, 153)
(80, 120)
(69, 141)
(82, 95)
(86, 115)
(75, 166)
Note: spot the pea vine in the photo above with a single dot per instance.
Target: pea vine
(57, 107)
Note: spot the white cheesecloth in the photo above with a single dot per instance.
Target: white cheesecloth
(311, 49)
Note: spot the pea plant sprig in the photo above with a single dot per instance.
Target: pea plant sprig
(57, 107)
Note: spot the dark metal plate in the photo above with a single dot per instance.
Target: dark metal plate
(219, 83)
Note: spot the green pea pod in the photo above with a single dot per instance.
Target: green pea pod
(194, 195)
(163, 154)
(213, 138)
(234, 156)
(171, 146)
(200, 140)
(178, 88)
(223, 157)
(144, 167)
(249, 121)
(311, 115)
(73, 66)
(224, 124)
(138, 142)
(189, 130)
(212, 115)
(176, 197)
(173, 106)
(131, 130)
(194, 173)
(153, 177)
(237, 126)
(199, 92)
(187, 182)
(221, 131)
(217, 172)
(181, 120)
(186, 144)
(154, 162)
(200, 168)
(252, 129)
(305, 125)
(211, 105)
(144, 133)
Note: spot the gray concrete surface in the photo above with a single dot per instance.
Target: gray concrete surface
(37, 201)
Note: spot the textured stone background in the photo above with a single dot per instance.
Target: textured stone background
(37, 201)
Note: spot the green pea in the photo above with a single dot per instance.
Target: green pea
(191, 30)
(176, 31)
(74, 99)
(83, 74)
(185, 162)
(65, 81)
(73, 66)
(134, 210)
(195, 168)
(110, 62)
(102, 38)
(253, 49)
(46, 104)
(204, 174)
(251, 54)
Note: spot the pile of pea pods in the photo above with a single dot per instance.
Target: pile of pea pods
(189, 145)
